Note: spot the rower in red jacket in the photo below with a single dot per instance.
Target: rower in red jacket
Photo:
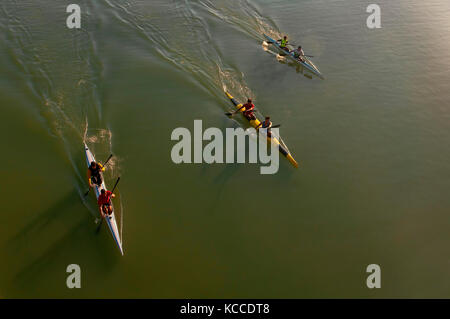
(248, 110)
(104, 202)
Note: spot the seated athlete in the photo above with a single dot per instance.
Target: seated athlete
(94, 174)
(267, 124)
(104, 202)
(299, 54)
(248, 110)
(283, 43)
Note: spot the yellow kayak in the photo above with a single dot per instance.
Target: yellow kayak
(256, 124)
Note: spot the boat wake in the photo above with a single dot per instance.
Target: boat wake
(62, 72)
(179, 33)
(243, 15)
(246, 17)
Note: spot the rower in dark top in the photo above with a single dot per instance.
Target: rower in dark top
(248, 110)
(267, 124)
(94, 174)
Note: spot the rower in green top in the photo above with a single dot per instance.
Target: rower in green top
(283, 43)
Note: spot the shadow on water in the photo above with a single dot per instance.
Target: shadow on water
(222, 178)
(52, 263)
(41, 220)
(56, 237)
(229, 170)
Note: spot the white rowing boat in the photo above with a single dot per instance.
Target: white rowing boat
(111, 219)
(307, 64)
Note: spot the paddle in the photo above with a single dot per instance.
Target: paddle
(117, 182)
(308, 56)
(273, 126)
(112, 192)
(234, 112)
(296, 46)
(103, 166)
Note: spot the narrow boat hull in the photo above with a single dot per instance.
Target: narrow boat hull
(110, 220)
(256, 123)
(307, 65)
